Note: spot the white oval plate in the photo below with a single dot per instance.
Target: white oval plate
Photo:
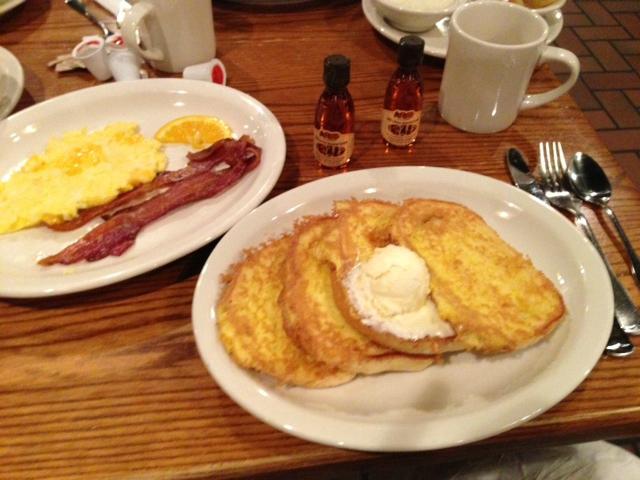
(150, 103)
(467, 398)
(436, 40)
(11, 82)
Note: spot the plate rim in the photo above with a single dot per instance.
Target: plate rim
(202, 311)
(257, 194)
(15, 71)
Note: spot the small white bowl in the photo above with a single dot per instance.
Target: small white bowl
(412, 20)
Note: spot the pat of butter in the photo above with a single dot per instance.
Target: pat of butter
(390, 292)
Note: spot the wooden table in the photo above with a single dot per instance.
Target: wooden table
(108, 383)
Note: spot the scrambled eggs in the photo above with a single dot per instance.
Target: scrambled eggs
(78, 170)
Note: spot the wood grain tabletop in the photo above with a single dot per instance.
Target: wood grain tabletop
(108, 383)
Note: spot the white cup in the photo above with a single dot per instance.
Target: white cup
(171, 34)
(91, 51)
(123, 63)
(212, 71)
(494, 47)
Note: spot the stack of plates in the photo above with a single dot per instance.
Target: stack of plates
(436, 40)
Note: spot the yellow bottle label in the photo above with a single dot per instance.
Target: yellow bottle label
(332, 149)
(400, 127)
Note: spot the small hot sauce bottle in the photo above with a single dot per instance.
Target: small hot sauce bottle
(403, 99)
(333, 136)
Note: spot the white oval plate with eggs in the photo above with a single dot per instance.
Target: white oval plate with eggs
(150, 104)
(466, 398)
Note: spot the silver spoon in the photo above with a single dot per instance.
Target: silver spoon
(82, 9)
(591, 184)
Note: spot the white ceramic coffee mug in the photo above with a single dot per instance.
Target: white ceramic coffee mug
(171, 34)
(494, 47)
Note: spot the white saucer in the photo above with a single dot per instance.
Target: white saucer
(436, 40)
(11, 82)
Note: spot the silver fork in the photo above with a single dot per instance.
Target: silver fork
(553, 168)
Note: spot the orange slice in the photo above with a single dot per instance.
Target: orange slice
(199, 131)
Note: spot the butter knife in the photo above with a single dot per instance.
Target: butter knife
(618, 344)
(522, 176)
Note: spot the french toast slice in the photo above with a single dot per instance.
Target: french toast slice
(311, 316)
(250, 322)
(364, 226)
(493, 296)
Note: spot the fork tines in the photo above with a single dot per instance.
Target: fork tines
(553, 164)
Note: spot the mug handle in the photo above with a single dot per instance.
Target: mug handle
(559, 55)
(131, 27)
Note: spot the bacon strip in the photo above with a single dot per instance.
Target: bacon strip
(199, 162)
(117, 234)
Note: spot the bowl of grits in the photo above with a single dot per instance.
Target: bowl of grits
(416, 15)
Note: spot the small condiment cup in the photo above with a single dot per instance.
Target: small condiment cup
(123, 63)
(92, 53)
(212, 71)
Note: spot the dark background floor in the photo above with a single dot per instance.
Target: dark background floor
(605, 34)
